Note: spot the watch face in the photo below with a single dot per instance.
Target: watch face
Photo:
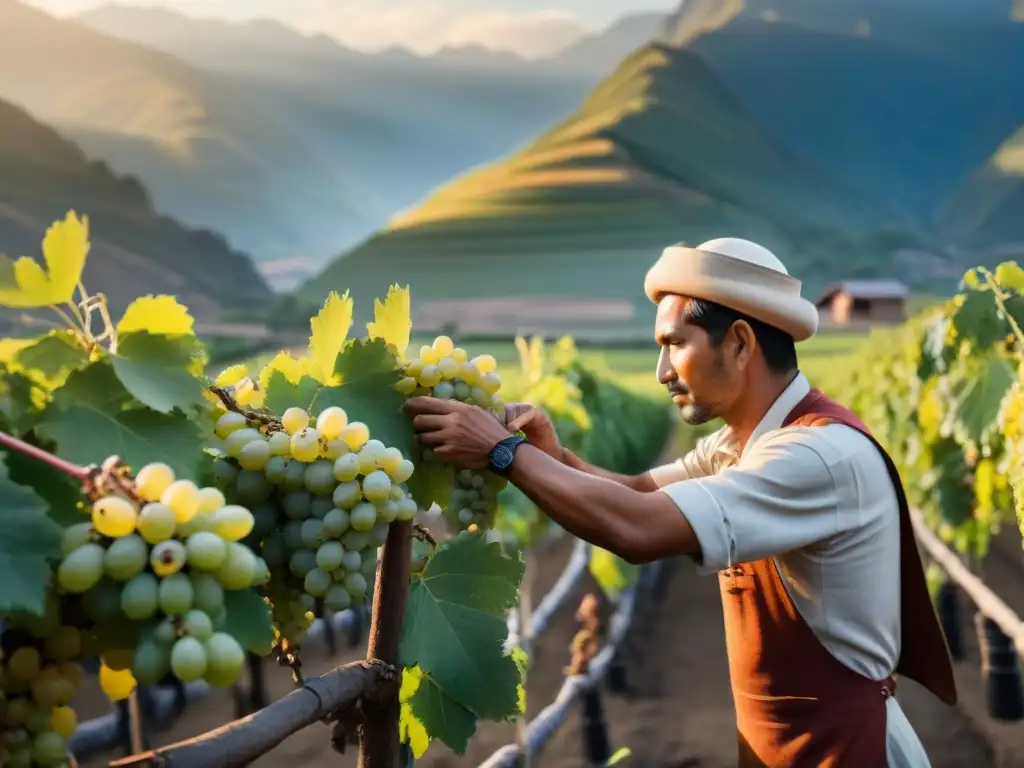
(502, 456)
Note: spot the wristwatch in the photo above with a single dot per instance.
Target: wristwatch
(502, 455)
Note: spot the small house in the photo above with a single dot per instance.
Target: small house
(863, 302)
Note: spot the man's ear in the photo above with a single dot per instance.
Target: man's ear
(744, 342)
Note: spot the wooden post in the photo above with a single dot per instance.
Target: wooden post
(379, 745)
(951, 619)
(1000, 667)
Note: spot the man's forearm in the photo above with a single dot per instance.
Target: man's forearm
(637, 525)
(642, 482)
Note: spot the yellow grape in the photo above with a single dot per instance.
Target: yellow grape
(64, 721)
(447, 368)
(114, 516)
(210, 500)
(403, 471)
(117, 685)
(485, 363)
(428, 356)
(430, 376)
(458, 355)
(294, 420)
(306, 444)
(229, 422)
(233, 522)
(331, 421)
(152, 480)
(469, 374)
(406, 386)
(346, 467)
(355, 435)
(414, 367)
(280, 443)
(182, 496)
(390, 460)
(443, 346)
(335, 449)
(490, 383)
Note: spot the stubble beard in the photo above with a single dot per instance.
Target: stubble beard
(696, 414)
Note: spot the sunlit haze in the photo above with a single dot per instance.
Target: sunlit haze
(528, 27)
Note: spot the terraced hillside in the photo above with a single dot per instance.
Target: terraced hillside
(135, 250)
(210, 155)
(659, 152)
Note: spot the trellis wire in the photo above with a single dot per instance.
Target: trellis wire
(101, 733)
(550, 719)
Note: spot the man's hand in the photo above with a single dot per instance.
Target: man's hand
(457, 432)
(537, 427)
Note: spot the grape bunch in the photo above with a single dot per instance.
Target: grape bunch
(324, 494)
(445, 371)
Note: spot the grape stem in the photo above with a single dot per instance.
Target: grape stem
(271, 422)
(1000, 298)
(422, 533)
(20, 446)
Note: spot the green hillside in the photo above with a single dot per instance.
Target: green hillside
(211, 155)
(135, 251)
(659, 152)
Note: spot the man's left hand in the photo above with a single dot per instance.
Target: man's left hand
(458, 433)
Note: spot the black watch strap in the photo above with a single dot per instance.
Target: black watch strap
(504, 453)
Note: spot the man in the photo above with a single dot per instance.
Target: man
(792, 503)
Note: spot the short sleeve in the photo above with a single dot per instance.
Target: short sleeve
(698, 462)
(781, 497)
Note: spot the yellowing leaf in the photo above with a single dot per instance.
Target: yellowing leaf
(232, 375)
(25, 283)
(293, 370)
(329, 330)
(392, 319)
(158, 315)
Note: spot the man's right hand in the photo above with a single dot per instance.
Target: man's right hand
(537, 427)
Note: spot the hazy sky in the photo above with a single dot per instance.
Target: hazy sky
(531, 27)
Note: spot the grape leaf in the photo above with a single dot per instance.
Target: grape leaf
(977, 398)
(373, 400)
(366, 358)
(282, 394)
(455, 625)
(433, 481)
(25, 283)
(248, 620)
(20, 400)
(61, 493)
(293, 372)
(155, 370)
(977, 320)
(329, 331)
(29, 542)
(96, 386)
(429, 713)
(612, 573)
(52, 358)
(392, 319)
(160, 315)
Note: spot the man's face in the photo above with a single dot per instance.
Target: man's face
(694, 371)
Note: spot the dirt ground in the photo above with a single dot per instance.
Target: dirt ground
(678, 712)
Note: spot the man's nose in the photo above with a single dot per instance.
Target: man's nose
(664, 371)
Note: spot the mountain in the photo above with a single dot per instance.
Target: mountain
(598, 52)
(211, 154)
(904, 98)
(135, 251)
(661, 151)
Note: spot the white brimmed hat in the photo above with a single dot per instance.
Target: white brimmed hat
(738, 274)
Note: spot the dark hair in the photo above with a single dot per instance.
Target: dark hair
(778, 347)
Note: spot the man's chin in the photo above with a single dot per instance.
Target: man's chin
(695, 415)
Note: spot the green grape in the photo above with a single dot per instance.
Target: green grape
(336, 522)
(294, 420)
(49, 749)
(152, 480)
(183, 497)
(102, 602)
(176, 594)
(24, 663)
(239, 565)
(430, 376)
(346, 467)
(114, 516)
(276, 469)
(387, 511)
(224, 473)
(38, 720)
(354, 540)
(156, 523)
(337, 598)
(167, 557)
(275, 552)
(351, 561)
(75, 536)
(228, 423)
(347, 495)
(293, 534)
(363, 517)
(297, 504)
(390, 460)
(321, 506)
(208, 593)
(335, 449)
(320, 477)
(152, 660)
(403, 471)
(188, 659)
(370, 454)
(407, 509)
(317, 582)
(261, 573)
(254, 455)
(280, 443)
(379, 533)
(210, 500)
(224, 659)
(306, 445)
(406, 386)
(64, 644)
(312, 532)
(65, 721)
(233, 523)
(197, 624)
(264, 520)
(81, 570)
(331, 421)
(355, 584)
(369, 566)
(205, 551)
(444, 390)
(329, 555)
(238, 440)
(295, 477)
(461, 390)
(125, 558)
(139, 598)
(377, 486)
(253, 487)
(165, 632)
(302, 562)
